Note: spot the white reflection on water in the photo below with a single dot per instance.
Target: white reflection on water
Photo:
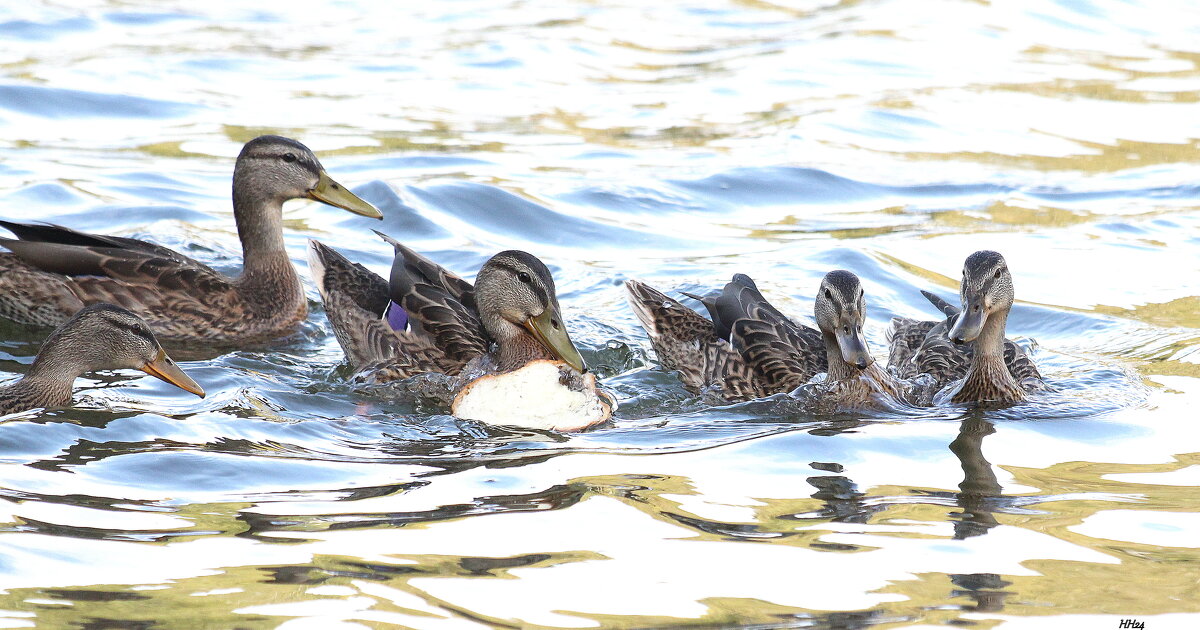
(1169, 529)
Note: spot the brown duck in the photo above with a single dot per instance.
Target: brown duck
(969, 346)
(98, 337)
(426, 319)
(749, 349)
(503, 338)
(54, 271)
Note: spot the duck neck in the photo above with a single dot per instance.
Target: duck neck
(49, 382)
(514, 346)
(990, 342)
(266, 266)
(259, 219)
(838, 369)
(988, 377)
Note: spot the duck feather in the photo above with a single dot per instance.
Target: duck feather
(687, 342)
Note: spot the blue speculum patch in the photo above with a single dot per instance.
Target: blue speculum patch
(396, 316)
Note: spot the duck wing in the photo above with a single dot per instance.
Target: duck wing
(904, 340)
(439, 305)
(1022, 367)
(687, 342)
(906, 336)
(48, 233)
(924, 347)
(355, 299)
(53, 271)
(781, 354)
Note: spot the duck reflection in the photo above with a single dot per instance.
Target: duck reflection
(985, 588)
(559, 496)
(979, 493)
(844, 503)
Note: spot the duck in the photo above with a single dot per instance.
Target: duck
(51, 271)
(747, 349)
(968, 350)
(854, 380)
(503, 337)
(97, 337)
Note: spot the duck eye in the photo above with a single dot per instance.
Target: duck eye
(998, 272)
(524, 277)
(289, 157)
(828, 295)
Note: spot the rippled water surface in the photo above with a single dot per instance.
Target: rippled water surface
(674, 142)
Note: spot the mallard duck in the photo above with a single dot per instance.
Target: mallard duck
(97, 337)
(54, 271)
(499, 335)
(969, 345)
(854, 378)
(749, 349)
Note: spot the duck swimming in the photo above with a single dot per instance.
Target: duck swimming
(854, 379)
(53, 271)
(970, 345)
(98, 337)
(504, 335)
(749, 349)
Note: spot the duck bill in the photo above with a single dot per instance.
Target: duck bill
(854, 349)
(970, 322)
(555, 338)
(338, 196)
(162, 367)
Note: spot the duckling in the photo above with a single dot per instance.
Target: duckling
(97, 337)
(504, 336)
(53, 271)
(969, 346)
(749, 349)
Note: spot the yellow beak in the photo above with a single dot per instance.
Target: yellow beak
(336, 195)
(162, 367)
(548, 329)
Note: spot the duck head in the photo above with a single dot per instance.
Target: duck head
(986, 291)
(107, 337)
(275, 169)
(840, 313)
(514, 292)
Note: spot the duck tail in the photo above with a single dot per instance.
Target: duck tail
(318, 253)
(945, 307)
(647, 302)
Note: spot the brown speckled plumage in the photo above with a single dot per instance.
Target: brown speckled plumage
(749, 349)
(54, 271)
(451, 322)
(992, 369)
(687, 342)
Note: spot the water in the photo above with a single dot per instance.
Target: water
(678, 144)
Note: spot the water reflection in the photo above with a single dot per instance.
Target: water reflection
(986, 590)
(979, 493)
